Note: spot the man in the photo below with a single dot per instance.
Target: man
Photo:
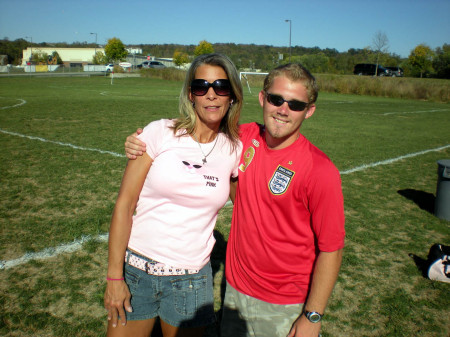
(285, 246)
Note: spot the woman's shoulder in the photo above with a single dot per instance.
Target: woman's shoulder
(161, 123)
(157, 129)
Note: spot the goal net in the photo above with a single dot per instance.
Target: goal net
(252, 79)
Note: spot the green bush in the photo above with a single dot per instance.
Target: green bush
(118, 69)
(170, 74)
(393, 87)
(412, 88)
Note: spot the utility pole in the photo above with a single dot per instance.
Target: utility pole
(95, 49)
(290, 34)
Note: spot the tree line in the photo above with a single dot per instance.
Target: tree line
(422, 61)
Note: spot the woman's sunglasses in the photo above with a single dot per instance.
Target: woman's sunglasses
(294, 105)
(200, 87)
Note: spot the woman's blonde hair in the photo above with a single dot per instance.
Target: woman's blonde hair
(230, 122)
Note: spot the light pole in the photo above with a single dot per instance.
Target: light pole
(31, 46)
(95, 48)
(290, 34)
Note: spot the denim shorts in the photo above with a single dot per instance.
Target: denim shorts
(180, 300)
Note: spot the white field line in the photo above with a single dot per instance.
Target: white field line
(397, 112)
(393, 160)
(77, 244)
(52, 251)
(62, 144)
(414, 112)
(22, 102)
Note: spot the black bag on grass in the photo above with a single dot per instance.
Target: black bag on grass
(439, 263)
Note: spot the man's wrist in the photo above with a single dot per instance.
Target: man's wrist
(313, 316)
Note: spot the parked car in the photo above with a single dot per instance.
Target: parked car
(369, 69)
(396, 71)
(156, 64)
(151, 64)
(109, 67)
(144, 64)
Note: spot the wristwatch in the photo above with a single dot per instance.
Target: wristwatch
(313, 316)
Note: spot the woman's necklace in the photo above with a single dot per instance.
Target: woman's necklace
(205, 155)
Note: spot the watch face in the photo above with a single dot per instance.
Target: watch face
(314, 317)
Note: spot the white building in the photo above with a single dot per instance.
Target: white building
(79, 57)
(136, 51)
(70, 56)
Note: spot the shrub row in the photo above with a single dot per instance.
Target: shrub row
(395, 87)
(170, 74)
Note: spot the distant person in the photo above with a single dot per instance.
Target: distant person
(164, 217)
(287, 234)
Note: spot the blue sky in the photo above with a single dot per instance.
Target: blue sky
(339, 24)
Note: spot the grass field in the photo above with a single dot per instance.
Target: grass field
(61, 164)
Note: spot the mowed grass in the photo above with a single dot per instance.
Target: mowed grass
(61, 165)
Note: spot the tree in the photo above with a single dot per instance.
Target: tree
(380, 45)
(99, 58)
(204, 47)
(421, 59)
(180, 58)
(39, 58)
(317, 63)
(441, 62)
(13, 49)
(55, 58)
(115, 50)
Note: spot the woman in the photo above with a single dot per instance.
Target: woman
(163, 221)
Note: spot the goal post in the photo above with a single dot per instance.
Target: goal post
(243, 75)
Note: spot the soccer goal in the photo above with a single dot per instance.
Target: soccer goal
(247, 75)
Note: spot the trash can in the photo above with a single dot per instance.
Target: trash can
(442, 203)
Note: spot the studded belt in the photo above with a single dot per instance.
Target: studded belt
(154, 267)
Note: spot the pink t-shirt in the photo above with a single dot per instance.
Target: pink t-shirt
(181, 196)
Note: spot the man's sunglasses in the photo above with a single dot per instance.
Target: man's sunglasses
(294, 105)
(200, 87)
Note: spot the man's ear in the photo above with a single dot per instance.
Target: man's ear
(310, 111)
(262, 97)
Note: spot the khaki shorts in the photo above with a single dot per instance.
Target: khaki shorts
(246, 316)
